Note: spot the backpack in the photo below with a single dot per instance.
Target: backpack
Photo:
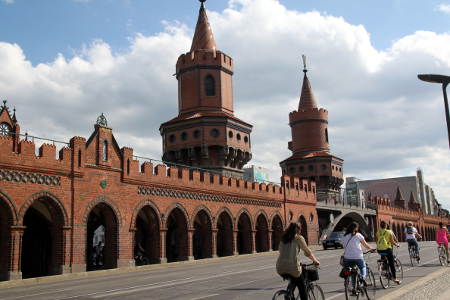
(382, 243)
(409, 230)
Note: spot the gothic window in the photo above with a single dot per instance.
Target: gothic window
(210, 86)
(5, 129)
(105, 150)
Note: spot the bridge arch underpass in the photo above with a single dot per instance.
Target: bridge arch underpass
(338, 221)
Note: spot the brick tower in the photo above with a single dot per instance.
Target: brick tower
(206, 134)
(311, 158)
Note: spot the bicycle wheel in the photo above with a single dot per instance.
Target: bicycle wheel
(371, 286)
(442, 256)
(282, 295)
(348, 287)
(411, 256)
(398, 269)
(315, 292)
(383, 272)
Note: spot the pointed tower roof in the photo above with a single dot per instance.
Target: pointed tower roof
(203, 37)
(398, 195)
(307, 100)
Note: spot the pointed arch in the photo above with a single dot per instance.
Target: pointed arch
(202, 237)
(106, 200)
(176, 223)
(272, 218)
(224, 226)
(227, 211)
(277, 230)
(173, 207)
(266, 217)
(206, 210)
(137, 209)
(8, 203)
(54, 205)
(8, 217)
(262, 232)
(244, 227)
(239, 214)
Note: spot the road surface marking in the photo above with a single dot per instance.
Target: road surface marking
(207, 296)
(38, 294)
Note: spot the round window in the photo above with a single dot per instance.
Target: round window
(196, 134)
(215, 133)
(246, 139)
(184, 136)
(238, 136)
(230, 134)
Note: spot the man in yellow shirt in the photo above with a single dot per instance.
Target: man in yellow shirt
(385, 241)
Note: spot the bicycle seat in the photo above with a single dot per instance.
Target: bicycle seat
(351, 265)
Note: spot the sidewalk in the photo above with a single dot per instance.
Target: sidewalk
(434, 286)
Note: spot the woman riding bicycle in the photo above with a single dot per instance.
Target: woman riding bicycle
(442, 237)
(353, 252)
(385, 241)
(287, 263)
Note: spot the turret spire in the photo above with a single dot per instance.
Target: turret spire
(203, 37)
(307, 100)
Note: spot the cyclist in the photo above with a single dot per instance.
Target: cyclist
(385, 241)
(287, 263)
(353, 252)
(411, 236)
(442, 237)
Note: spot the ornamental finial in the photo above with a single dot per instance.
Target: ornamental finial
(304, 63)
(202, 2)
(101, 120)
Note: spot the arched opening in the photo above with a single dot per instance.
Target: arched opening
(6, 221)
(353, 217)
(244, 238)
(176, 238)
(202, 239)
(105, 150)
(146, 237)
(262, 234)
(277, 232)
(210, 86)
(304, 228)
(42, 242)
(101, 238)
(224, 235)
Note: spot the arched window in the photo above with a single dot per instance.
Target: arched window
(105, 150)
(210, 86)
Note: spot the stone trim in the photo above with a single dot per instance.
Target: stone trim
(173, 193)
(25, 177)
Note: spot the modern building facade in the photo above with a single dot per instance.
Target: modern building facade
(256, 173)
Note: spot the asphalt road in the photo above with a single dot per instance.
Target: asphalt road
(251, 277)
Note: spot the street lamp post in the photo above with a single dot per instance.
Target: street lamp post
(444, 80)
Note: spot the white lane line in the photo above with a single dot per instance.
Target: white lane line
(37, 294)
(203, 297)
(131, 287)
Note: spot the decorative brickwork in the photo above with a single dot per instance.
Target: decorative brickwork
(33, 178)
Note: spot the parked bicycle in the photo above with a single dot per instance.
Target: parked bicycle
(384, 271)
(442, 253)
(355, 285)
(413, 254)
(313, 290)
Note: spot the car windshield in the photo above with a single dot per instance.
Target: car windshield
(336, 234)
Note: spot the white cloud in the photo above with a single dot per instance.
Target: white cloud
(8, 1)
(445, 8)
(383, 120)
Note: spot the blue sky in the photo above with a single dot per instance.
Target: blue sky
(44, 28)
(63, 62)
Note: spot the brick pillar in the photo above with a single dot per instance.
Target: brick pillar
(253, 241)
(270, 239)
(190, 250)
(162, 245)
(214, 243)
(66, 248)
(16, 252)
(235, 248)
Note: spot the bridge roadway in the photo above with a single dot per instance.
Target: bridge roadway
(250, 277)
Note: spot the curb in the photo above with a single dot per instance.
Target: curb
(117, 271)
(413, 288)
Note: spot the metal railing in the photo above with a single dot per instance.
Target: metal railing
(33, 138)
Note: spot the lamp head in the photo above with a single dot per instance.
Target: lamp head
(434, 78)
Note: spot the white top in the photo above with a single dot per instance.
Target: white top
(410, 233)
(352, 244)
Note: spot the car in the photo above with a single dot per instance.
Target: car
(333, 240)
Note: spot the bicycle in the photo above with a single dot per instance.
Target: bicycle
(442, 253)
(313, 290)
(413, 254)
(385, 273)
(360, 287)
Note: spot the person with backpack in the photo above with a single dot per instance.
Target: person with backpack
(385, 241)
(411, 236)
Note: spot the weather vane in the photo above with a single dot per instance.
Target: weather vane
(304, 63)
